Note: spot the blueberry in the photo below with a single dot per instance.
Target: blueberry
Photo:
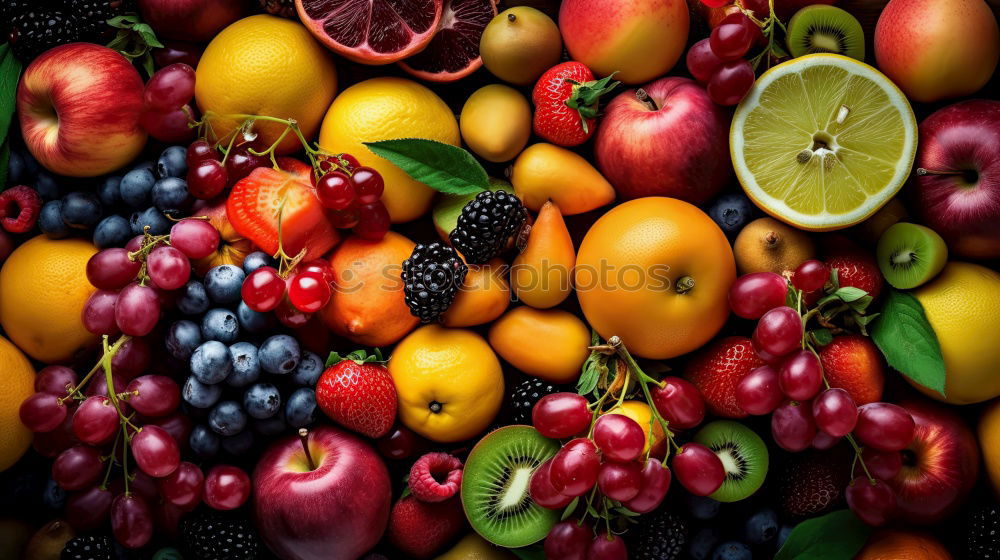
(172, 162)
(210, 362)
(148, 165)
(157, 222)
(246, 367)
(310, 368)
(31, 167)
(136, 187)
(279, 354)
(702, 507)
(182, 339)
(300, 410)
(81, 210)
(109, 191)
(732, 550)
(112, 231)
(703, 543)
(50, 220)
(227, 418)
(170, 195)
(46, 186)
(224, 282)
(238, 444)
(272, 426)
(193, 299)
(203, 442)
(220, 324)
(16, 169)
(53, 497)
(731, 212)
(257, 259)
(262, 401)
(761, 526)
(253, 321)
(200, 395)
(783, 535)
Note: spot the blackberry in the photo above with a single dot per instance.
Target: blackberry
(211, 536)
(283, 8)
(37, 30)
(88, 547)
(486, 225)
(983, 533)
(431, 279)
(526, 394)
(661, 536)
(93, 15)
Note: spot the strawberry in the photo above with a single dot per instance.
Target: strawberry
(254, 202)
(857, 269)
(420, 529)
(566, 98)
(717, 370)
(813, 482)
(357, 392)
(853, 363)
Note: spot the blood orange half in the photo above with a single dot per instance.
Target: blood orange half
(453, 53)
(372, 31)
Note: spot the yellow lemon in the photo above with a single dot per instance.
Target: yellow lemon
(963, 305)
(43, 288)
(449, 383)
(17, 378)
(386, 109)
(269, 66)
(474, 547)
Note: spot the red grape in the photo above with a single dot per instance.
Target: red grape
(87, 510)
(241, 162)
(111, 269)
(98, 314)
(155, 451)
(793, 427)
(344, 219)
(568, 540)
(42, 412)
(207, 179)
(322, 266)
(368, 184)
(183, 488)
(758, 392)
(619, 437)
(56, 380)
(884, 465)
(141, 484)
(574, 468)
(167, 519)
(95, 421)
(154, 395)
(620, 481)
(169, 88)
(778, 332)
(309, 292)
(753, 295)
(226, 487)
(607, 546)
(137, 309)
(835, 412)
(731, 82)
(655, 483)
(135, 244)
(561, 415)
(698, 469)
(263, 289)
(701, 61)
(199, 151)
(51, 444)
(99, 387)
(177, 51)
(373, 221)
(78, 467)
(801, 375)
(541, 490)
(131, 359)
(289, 316)
(823, 440)
(336, 191)
(873, 502)
(760, 8)
(810, 276)
(168, 268)
(131, 520)
(168, 126)
(679, 403)
(197, 239)
(733, 36)
(884, 426)
(178, 425)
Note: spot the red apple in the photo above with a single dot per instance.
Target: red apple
(334, 507)
(191, 20)
(940, 466)
(79, 108)
(664, 144)
(957, 190)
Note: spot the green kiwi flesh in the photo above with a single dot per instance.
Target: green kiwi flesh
(910, 254)
(743, 454)
(825, 29)
(495, 487)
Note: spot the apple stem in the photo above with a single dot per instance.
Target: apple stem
(921, 171)
(304, 438)
(644, 97)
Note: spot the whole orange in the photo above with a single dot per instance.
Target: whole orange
(891, 544)
(656, 272)
(18, 380)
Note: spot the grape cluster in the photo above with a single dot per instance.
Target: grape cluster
(805, 410)
(719, 62)
(166, 110)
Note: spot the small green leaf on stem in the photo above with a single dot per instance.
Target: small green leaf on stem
(908, 340)
(442, 167)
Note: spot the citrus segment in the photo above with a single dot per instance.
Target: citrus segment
(453, 52)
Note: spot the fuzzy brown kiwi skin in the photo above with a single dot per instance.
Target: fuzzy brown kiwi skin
(822, 28)
(767, 245)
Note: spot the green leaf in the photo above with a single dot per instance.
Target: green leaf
(357, 356)
(534, 552)
(908, 341)
(859, 305)
(442, 167)
(847, 294)
(835, 536)
(10, 71)
(570, 508)
(821, 337)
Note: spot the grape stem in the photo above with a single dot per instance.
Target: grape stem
(616, 345)
(97, 367)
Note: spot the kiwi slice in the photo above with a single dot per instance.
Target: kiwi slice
(495, 486)
(909, 255)
(825, 29)
(743, 454)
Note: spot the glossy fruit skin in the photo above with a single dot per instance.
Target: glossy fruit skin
(759, 392)
(874, 503)
(561, 415)
(859, 270)
(55, 380)
(41, 412)
(801, 375)
(607, 547)
(155, 451)
(854, 363)
(701, 61)
(568, 540)
(884, 426)
(754, 294)
(653, 488)
(717, 370)
(195, 238)
(620, 481)
(137, 310)
(778, 332)
(542, 491)
(183, 488)
(835, 412)
(553, 119)
(131, 520)
(360, 397)
(883, 465)
(793, 427)
(811, 275)
(226, 487)
(78, 467)
(619, 437)
(698, 469)
(679, 403)
(575, 467)
(732, 38)
(731, 82)
(309, 292)
(95, 421)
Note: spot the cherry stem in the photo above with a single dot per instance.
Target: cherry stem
(857, 456)
(616, 343)
(304, 438)
(922, 171)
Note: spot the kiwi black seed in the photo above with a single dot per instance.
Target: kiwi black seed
(495, 486)
(910, 254)
(825, 29)
(743, 454)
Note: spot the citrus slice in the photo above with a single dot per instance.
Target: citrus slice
(823, 141)
(372, 31)
(453, 53)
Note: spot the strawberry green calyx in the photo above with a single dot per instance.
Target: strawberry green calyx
(586, 96)
(358, 356)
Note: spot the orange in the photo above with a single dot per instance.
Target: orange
(891, 544)
(367, 305)
(989, 442)
(549, 344)
(484, 296)
(656, 272)
(43, 288)
(269, 66)
(17, 378)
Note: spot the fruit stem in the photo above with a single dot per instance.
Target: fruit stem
(111, 461)
(922, 171)
(859, 458)
(616, 343)
(511, 18)
(644, 97)
(304, 439)
(100, 364)
(684, 285)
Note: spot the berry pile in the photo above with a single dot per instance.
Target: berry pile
(34, 26)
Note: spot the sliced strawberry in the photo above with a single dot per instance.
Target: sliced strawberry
(255, 200)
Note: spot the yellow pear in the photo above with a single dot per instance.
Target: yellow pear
(542, 275)
(547, 172)
(496, 122)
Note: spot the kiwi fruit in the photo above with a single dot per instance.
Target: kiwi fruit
(743, 454)
(910, 254)
(495, 486)
(825, 29)
(767, 245)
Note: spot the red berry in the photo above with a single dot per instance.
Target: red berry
(753, 295)
(679, 403)
(368, 184)
(619, 437)
(309, 292)
(698, 469)
(872, 501)
(263, 289)
(731, 82)
(373, 221)
(575, 467)
(435, 477)
(226, 487)
(541, 490)
(336, 191)
(207, 179)
(19, 208)
(561, 415)
(655, 483)
(759, 392)
(199, 151)
(884, 426)
(810, 276)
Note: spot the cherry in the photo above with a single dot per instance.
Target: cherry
(753, 295)
(336, 191)
(568, 540)
(810, 276)
(655, 483)
(263, 289)
(344, 219)
(620, 481)
(399, 443)
(574, 468)
(758, 392)
(541, 490)
(561, 415)
(619, 437)
(289, 316)
(199, 151)
(309, 292)
(241, 162)
(373, 221)
(226, 487)
(207, 179)
(368, 184)
(801, 375)
(679, 402)
(793, 427)
(698, 469)
(884, 426)
(872, 501)
(835, 412)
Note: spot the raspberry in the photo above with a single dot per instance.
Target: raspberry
(19, 208)
(426, 473)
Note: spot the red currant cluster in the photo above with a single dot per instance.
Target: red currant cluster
(166, 110)
(352, 194)
(293, 295)
(805, 410)
(97, 429)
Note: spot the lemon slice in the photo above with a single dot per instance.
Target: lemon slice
(823, 141)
